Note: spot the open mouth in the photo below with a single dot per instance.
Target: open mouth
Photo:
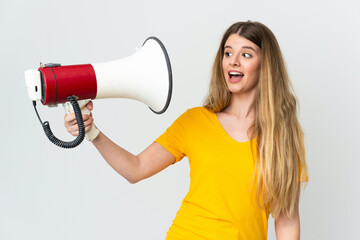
(234, 76)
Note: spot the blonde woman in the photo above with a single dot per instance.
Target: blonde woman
(245, 146)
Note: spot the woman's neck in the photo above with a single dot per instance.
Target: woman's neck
(242, 105)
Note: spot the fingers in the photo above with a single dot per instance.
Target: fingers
(88, 123)
(71, 118)
(71, 123)
(90, 106)
(87, 128)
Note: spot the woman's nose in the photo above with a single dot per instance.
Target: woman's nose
(235, 62)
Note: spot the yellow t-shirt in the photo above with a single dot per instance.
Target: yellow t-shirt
(219, 204)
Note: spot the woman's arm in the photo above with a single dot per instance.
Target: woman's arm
(289, 228)
(133, 168)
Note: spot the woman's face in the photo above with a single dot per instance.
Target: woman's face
(241, 64)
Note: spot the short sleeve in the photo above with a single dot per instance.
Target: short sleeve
(174, 138)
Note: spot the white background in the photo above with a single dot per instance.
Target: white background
(50, 193)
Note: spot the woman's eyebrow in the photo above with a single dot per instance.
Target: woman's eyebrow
(247, 47)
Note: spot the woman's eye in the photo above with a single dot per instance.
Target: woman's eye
(228, 54)
(247, 55)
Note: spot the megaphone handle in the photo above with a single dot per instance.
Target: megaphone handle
(93, 132)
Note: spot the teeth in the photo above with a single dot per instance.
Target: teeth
(236, 73)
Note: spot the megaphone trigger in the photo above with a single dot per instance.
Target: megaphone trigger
(94, 131)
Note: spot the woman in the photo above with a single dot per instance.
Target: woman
(245, 146)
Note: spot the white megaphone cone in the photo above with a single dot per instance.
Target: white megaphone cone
(144, 76)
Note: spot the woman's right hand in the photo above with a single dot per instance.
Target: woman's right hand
(71, 123)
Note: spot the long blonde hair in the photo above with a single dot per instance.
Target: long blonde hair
(280, 138)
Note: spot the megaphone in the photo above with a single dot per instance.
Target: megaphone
(144, 76)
